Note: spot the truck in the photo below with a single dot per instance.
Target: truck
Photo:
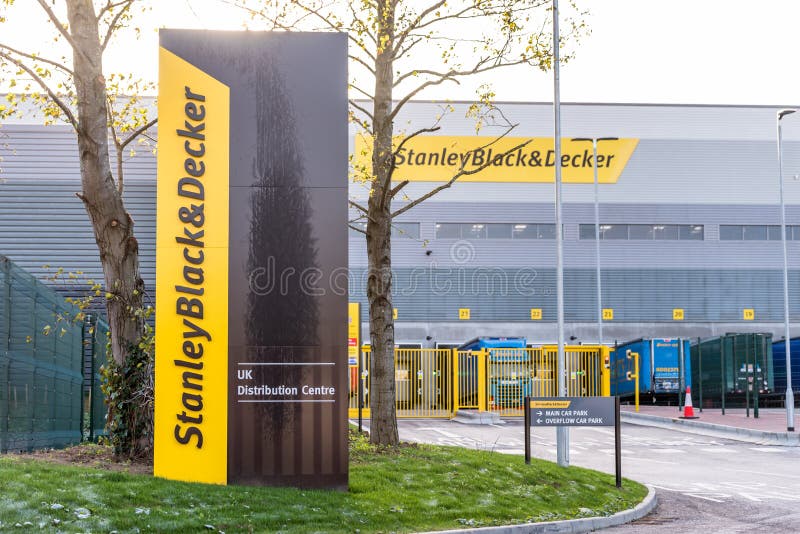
(664, 368)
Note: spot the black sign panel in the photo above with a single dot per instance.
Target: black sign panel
(574, 411)
(286, 247)
(571, 411)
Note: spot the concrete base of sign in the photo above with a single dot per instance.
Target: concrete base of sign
(573, 526)
(473, 417)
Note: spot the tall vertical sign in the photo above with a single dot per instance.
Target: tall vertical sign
(251, 311)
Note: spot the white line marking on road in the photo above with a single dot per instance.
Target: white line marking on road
(766, 449)
(444, 433)
(666, 451)
(717, 450)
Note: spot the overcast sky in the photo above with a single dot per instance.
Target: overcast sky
(675, 51)
(645, 51)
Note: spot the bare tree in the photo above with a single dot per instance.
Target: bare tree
(81, 95)
(399, 50)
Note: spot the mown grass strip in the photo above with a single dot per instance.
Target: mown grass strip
(413, 488)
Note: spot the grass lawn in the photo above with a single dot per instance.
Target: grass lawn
(413, 488)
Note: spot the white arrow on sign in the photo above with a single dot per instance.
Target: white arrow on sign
(539, 421)
(539, 412)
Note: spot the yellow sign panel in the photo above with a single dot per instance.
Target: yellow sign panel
(536, 314)
(550, 404)
(437, 158)
(394, 313)
(677, 314)
(191, 388)
(463, 313)
(353, 331)
(608, 314)
(748, 314)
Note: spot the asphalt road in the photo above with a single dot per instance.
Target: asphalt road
(704, 484)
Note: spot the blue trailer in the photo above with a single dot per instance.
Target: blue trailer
(664, 367)
(779, 364)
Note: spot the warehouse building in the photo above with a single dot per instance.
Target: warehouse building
(689, 221)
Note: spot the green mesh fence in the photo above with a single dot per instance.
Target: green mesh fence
(40, 365)
(95, 339)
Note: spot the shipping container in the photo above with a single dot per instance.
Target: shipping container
(738, 366)
(779, 364)
(664, 367)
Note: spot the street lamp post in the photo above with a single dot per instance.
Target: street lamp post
(562, 432)
(594, 141)
(789, 394)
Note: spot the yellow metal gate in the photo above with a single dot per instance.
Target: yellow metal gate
(514, 374)
(423, 379)
(439, 382)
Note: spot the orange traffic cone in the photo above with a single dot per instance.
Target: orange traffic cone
(688, 409)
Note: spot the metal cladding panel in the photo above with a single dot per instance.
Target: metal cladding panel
(56, 232)
(709, 253)
(635, 295)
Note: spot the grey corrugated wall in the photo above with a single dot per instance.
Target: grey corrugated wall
(694, 165)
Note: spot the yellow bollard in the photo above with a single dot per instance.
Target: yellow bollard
(635, 376)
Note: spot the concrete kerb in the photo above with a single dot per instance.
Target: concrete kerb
(571, 526)
(710, 429)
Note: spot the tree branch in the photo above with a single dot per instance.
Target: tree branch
(126, 5)
(363, 92)
(461, 172)
(108, 7)
(54, 97)
(34, 57)
(137, 132)
(453, 75)
(397, 188)
(359, 207)
(357, 229)
(362, 110)
(386, 186)
(363, 63)
(401, 37)
(59, 26)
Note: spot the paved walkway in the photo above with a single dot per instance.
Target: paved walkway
(769, 419)
(769, 428)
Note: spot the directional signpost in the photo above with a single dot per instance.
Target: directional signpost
(574, 411)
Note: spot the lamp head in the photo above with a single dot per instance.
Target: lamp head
(782, 113)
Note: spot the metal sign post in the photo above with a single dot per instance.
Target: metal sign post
(574, 411)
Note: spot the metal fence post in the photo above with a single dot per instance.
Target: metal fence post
(723, 378)
(454, 378)
(747, 385)
(483, 383)
(699, 370)
(7, 356)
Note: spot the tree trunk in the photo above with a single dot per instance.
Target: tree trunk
(113, 227)
(130, 420)
(383, 429)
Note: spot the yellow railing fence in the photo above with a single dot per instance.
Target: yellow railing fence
(439, 382)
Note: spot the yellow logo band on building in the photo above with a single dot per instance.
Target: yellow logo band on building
(191, 412)
(435, 158)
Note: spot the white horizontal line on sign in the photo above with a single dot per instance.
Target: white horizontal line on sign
(287, 363)
(290, 400)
